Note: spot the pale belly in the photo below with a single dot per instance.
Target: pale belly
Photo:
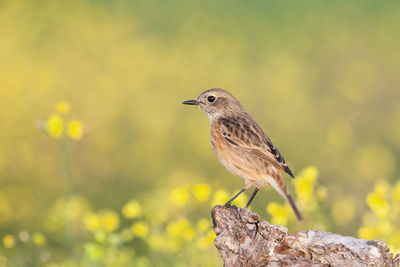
(240, 163)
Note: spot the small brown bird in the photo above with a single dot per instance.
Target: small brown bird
(242, 146)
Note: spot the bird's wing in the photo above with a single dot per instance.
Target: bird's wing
(253, 140)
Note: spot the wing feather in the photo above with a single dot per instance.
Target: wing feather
(251, 138)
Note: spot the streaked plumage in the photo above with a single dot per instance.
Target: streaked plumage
(241, 145)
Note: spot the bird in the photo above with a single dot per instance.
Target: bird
(242, 146)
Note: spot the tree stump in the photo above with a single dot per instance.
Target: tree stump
(242, 240)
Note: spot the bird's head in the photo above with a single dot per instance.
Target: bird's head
(216, 102)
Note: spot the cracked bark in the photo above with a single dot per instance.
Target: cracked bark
(242, 240)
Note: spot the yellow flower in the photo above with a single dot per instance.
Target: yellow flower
(310, 172)
(39, 239)
(62, 107)
(180, 196)
(188, 233)
(132, 209)
(9, 241)
(396, 193)
(395, 240)
(75, 129)
(201, 192)
(140, 229)
(92, 222)
(54, 125)
(367, 232)
(93, 251)
(211, 236)
(173, 245)
(385, 228)
(241, 200)
(220, 197)
(109, 220)
(100, 236)
(157, 242)
(378, 204)
(279, 213)
(202, 243)
(376, 200)
(305, 183)
(176, 228)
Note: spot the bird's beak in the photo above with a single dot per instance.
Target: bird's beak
(190, 102)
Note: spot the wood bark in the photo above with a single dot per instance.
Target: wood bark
(243, 240)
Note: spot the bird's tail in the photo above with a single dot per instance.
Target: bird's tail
(293, 206)
(277, 182)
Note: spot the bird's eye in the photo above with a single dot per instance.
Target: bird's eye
(211, 99)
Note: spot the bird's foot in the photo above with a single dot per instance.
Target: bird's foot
(228, 204)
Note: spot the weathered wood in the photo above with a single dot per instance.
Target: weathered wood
(242, 240)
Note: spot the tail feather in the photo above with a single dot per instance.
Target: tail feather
(294, 208)
(275, 179)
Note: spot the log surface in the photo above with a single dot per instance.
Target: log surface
(242, 240)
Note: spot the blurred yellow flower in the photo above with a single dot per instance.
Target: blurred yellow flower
(75, 206)
(305, 183)
(157, 242)
(395, 240)
(9, 241)
(211, 236)
(140, 229)
(92, 221)
(132, 209)
(54, 125)
(202, 243)
(39, 239)
(75, 129)
(220, 197)
(385, 228)
(173, 245)
(100, 236)
(180, 196)
(376, 200)
(343, 210)
(188, 233)
(62, 107)
(201, 191)
(367, 232)
(109, 221)
(176, 228)
(279, 213)
(310, 172)
(396, 193)
(93, 251)
(241, 200)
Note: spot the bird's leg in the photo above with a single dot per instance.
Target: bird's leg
(252, 196)
(227, 204)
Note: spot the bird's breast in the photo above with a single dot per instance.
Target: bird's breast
(236, 160)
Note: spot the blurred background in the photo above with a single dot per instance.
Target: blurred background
(101, 165)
